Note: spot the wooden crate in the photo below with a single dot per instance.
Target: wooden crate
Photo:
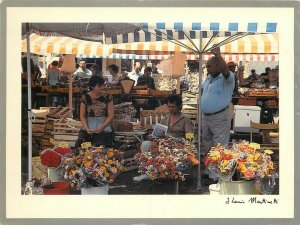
(149, 118)
(130, 164)
(60, 113)
(159, 93)
(38, 123)
(61, 131)
(247, 101)
(191, 112)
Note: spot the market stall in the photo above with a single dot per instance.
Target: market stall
(164, 51)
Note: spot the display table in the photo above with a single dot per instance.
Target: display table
(138, 135)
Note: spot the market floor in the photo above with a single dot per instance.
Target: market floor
(124, 184)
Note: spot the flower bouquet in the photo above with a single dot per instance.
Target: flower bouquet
(92, 167)
(244, 158)
(52, 157)
(167, 159)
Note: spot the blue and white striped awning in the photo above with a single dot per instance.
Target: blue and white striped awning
(254, 26)
(155, 35)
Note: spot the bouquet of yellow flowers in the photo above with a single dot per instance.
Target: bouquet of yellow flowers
(92, 167)
(244, 158)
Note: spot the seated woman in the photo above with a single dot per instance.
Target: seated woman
(96, 114)
(178, 125)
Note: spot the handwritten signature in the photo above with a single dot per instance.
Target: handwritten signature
(252, 200)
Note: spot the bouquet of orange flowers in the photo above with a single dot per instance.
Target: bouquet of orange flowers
(167, 159)
(244, 158)
(92, 167)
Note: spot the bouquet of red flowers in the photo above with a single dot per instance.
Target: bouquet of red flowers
(53, 157)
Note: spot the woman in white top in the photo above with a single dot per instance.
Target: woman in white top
(113, 70)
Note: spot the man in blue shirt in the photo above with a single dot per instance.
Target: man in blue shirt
(216, 95)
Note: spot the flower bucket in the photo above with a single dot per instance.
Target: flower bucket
(95, 190)
(242, 187)
(60, 188)
(54, 174)
(214, 189)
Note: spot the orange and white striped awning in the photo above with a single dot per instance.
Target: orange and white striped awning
(64, 45)
(227, 57)
(251, 44)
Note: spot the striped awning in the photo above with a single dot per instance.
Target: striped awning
(227, 57)
(116, 56)
(251, 44)
(64, 45)
(254, 26)
(161, 35)
(205, 57)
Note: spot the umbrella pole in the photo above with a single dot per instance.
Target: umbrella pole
(29, 112)
(70, 92)
(199, 115)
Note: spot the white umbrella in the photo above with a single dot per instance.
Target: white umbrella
(174, 31)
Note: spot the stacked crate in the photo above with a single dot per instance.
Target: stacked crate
(60, 131)
(60, 128)
(38, 130)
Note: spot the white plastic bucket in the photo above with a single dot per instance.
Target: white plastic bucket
(214, 189)
(95, 190)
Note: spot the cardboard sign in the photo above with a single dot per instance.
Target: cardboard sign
(63, 144)
(86, 145)
(189, 136)
(52, 141)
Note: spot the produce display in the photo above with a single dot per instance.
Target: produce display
(167, 159)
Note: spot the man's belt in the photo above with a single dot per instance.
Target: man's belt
(209, 114)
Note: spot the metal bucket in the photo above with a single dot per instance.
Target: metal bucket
(54, 174)
(95, 190)
(242, 187)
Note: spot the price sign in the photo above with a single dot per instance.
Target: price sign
(52, 141)
(189, 136)
(86, 145)
(254, 145)
(64, 144)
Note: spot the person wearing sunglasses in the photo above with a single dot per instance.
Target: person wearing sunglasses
(216, 96)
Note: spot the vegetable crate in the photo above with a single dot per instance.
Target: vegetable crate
(60, 113)
(61, 131)
(38, 123)
(190, 112)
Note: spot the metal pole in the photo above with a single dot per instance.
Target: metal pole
(70, 92)
(29, 112)
(199, 114)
